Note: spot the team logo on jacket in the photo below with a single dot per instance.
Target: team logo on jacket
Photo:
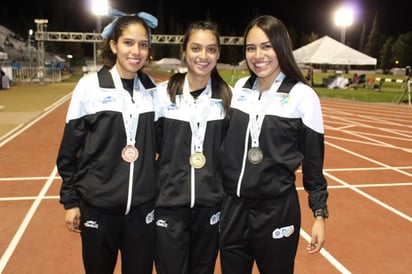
(284, 99)
(215, 218)
(108, 99)
(217, 103)
(150, 217)
(285, 231)
(172, 107)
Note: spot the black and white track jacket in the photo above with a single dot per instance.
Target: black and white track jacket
(292, 136)
(89, 160)
(180, 184)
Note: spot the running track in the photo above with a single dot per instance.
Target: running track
(368, 166)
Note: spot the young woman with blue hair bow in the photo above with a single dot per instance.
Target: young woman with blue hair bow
(107, 154)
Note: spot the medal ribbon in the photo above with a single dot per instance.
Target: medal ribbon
(130, 110)
(200, 108)
(257, 114)
(130, 114)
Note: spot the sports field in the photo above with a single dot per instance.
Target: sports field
(368, 166)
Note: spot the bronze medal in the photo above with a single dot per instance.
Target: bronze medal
(130, 153)
(197, 160)
(255, 155)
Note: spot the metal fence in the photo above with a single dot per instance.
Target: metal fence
(32, 75)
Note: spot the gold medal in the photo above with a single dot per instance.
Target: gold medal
(255, 155)
(130, 153)
(197, 160)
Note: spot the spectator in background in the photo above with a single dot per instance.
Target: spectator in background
(15, 68)
(4, 80)
(339, 81)
(15, 65)
(371, 83)
(354, 82)
(309, 76)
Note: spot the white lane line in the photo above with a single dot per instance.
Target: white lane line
(20, 231)
(37, 178)
(370, 197)
(327, 255)
(22, 127)
(392, 185)
(27, 198)
(368, 159)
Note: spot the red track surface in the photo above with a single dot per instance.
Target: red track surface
(368, 166)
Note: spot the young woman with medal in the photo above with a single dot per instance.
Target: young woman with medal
(107, 154)
(275, 127)
(192, 109)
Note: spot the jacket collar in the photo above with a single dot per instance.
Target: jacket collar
(106, 80)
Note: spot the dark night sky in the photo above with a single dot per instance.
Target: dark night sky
(301, 16)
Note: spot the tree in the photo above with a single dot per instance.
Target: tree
(362, 39)
(375, 39)
(402, 50)
(385, 57)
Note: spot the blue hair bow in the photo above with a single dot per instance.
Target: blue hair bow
(149, 19)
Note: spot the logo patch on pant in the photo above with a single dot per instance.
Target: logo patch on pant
(161, 223)
(285, 231)
(91, 224)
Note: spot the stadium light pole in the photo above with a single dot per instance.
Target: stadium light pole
(343, 19)
(99, 8)
(29, 45)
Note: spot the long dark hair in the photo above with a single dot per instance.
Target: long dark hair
(176, 81)
(107, 56)
(280, 40)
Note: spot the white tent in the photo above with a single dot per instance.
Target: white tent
(168, 61)
(170, 64)
(329, 51)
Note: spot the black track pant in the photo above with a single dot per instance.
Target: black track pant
(187, 240)
(104, 235)
(265, 231)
